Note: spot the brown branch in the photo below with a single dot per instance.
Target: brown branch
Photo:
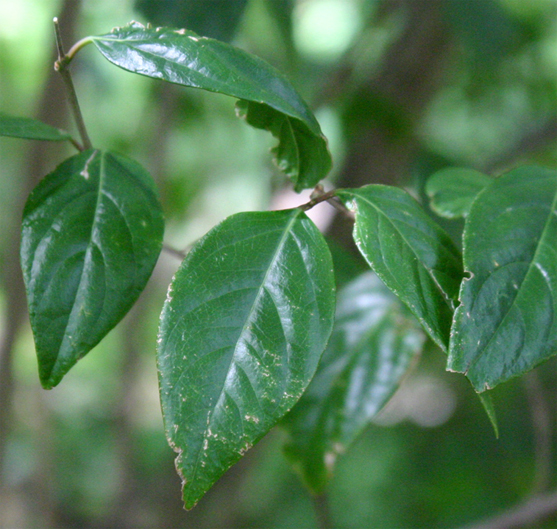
(62, 67)
(322, 511)
(178, 254)
(524, 515)
(534, 139)
(128, 495)
(543, 431)
(51, 109)
(406, 82)
(399, 92)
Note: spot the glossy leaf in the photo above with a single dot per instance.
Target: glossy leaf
(182, 57)
(217, 19)
(489, 407)
(410, 253)
(505, 324)
(487, 29)
(301, 158)
(246, 320)
(30, 129)
(373, 342)
(92, 232)
(452, 190)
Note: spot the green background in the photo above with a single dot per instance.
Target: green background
(401, 89)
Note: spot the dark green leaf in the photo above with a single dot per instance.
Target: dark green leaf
(486, 28)
(373, 342)
(505, 324)
(182, 57)
(347, 264)
(452, 190)
(247, 318)
(410, 253)
(487, 403)
(211, 18)
(298, 155)
(30, 129)
(92, 232)
(281, 13)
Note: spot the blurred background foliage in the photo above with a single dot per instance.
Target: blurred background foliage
(401, 88)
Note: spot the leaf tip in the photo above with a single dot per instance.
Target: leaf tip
(51, 380)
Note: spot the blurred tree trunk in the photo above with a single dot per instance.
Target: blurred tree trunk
(381, 141)
(408, 79)
(52, 108)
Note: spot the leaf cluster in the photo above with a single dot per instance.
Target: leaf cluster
(252, 332)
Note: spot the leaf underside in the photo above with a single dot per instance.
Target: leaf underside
(185, 58)
(30, 129)
(246, 320)
(92, 232)
(409, 252)
(453, 189)
(219, 22)
(372, 345)
(506, 322)
(298, 155)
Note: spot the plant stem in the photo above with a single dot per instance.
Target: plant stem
(543, 431)
(524, 515)
(322, 512)
(179, 254)
(76, 47)
(327, 197)
(61, 66)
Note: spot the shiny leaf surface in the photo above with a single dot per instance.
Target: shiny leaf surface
(246, 320)
(183, 57)
(30, 129)
(373, 342)
(92, 232)
(505, 324)
(489, 407)
(452, 190)
(301, 158)
(410, 253)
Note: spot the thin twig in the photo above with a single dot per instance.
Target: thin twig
(76, 144)
(179, 254)
(329, 197)
(322, 511)
(533, 139)
(76, 47)
(542, 426)
(61, 66)
(525, 515)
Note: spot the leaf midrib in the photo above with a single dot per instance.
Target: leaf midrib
(292, 113)
(531, 267)
(261, 289)
(444, 295)
(88, 251)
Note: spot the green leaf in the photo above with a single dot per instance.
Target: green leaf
(409, 252)
(298, 155)
(487, 30)
(373, 342)
(505, 324)
(212, 18)
(30, 129)
(182, 57)
(92, 232)
(489, 407)
(452, 190)
(246, 320)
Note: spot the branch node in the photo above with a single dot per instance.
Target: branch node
(318, 196)
(61, 66)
